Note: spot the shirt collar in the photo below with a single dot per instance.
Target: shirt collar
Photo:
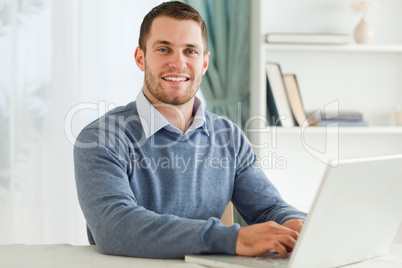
(152, 121)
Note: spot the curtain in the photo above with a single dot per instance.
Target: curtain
(226, 83)
(63, 63)
(25, 40)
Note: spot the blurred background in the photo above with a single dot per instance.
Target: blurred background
(63, 63)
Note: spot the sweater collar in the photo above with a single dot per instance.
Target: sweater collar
(152, 121)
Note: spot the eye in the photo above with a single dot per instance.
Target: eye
(190, 51)
(162, 50)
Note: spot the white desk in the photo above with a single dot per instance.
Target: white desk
(68, 256)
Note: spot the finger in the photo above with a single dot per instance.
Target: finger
(287, 241)
(291, 232)
(283, 230)
(294, 234)
(278, 247)
(295, 224)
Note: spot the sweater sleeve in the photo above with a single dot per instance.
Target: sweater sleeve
(119, 225)
(254, 196)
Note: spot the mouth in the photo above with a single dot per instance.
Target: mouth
(175, 78)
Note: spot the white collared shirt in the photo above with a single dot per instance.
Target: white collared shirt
(152, 121)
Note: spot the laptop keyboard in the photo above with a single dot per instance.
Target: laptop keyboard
(270, 257)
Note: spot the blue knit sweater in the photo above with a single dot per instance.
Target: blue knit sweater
(162, 197)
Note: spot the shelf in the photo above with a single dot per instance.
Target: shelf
(380, 48)
(388, 130)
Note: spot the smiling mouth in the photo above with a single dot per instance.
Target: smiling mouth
(175, 79)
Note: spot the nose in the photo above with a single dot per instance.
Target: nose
(177, 61)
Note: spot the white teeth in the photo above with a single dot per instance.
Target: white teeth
(175, 79)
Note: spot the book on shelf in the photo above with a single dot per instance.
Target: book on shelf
(308, 38)
(338, 115)
(337, 118)
(342, 123)
(295, 100)
(278, 108)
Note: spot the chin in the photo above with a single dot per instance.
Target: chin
(178, 101)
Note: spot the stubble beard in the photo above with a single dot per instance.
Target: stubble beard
(158, 92)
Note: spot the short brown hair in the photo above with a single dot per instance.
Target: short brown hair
(175, 10)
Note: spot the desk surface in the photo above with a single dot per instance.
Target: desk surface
(63, 256)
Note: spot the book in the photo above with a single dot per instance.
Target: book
(339, 115)
(295, 100)
(279, 110)
(308, 38)
(337, 118)
(342, 123)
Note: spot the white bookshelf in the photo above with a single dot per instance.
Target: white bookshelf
(365, 78)
(379, 48)
(343, 130)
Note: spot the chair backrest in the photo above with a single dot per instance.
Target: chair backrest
(227, 218)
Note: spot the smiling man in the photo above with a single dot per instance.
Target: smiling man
(154, 177)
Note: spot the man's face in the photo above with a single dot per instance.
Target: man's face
(174, 62)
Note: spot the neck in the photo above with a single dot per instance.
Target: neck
(179, 116)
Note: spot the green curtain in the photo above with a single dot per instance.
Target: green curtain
(226, 85)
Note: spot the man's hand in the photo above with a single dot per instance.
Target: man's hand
(260, 238)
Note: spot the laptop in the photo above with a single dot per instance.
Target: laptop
(355, 216)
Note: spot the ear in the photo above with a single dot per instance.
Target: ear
(206, 62)
(139, 57)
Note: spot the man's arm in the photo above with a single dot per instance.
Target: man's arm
(274, 224)
(120, 225)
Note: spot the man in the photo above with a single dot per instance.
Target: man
(154, 177)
